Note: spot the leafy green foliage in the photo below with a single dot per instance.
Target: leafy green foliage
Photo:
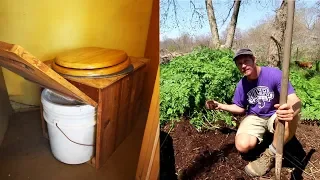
(306, 84)
(188, 81)
(208, 120)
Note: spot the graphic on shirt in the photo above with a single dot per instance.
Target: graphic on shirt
(260, 95)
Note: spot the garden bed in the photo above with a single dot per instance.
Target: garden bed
(188, 154)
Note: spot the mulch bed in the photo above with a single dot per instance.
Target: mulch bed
(187, 154)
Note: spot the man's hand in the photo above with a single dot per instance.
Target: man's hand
(284, 112)
(210, 104)
(232, 108)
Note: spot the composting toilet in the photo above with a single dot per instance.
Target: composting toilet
(90, 99)
(93, 62)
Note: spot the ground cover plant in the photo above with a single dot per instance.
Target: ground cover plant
(188, 81)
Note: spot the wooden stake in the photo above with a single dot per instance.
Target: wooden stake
(284, 86)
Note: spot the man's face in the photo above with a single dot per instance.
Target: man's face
(246, 64)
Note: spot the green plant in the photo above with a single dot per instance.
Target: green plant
(306, 84)
(262, 63)
(188, 81)
(208, 119)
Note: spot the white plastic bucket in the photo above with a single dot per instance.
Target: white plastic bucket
(71, 127)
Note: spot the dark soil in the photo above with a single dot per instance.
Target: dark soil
(187, 154)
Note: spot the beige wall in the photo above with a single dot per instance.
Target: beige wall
(45, 28)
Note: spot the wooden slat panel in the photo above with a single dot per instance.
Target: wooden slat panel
(119, 108)
(135, 99)
(141, 76)
(18, 60)
(107, 124)
(123, 115)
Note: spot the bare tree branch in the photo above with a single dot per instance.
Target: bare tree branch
(175, 11)
(166, 6)
(196, 11)
(166, 11)
(224, 20)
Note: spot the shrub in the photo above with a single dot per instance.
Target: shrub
(306, 84)
(188, 81)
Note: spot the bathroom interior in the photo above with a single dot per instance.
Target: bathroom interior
(123, 97)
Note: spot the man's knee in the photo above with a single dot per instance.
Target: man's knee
(245, 142)
(290, 128)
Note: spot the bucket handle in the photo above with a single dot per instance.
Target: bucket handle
(71, 140)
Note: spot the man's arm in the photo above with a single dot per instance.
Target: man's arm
(294, 101)
(232, 108)
(239, 101)
(288, 111)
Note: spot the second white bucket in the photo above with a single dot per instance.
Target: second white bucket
(71, 127)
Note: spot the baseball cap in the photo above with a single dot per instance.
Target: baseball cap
(243, 51)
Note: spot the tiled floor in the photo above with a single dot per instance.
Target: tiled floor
(25, 154)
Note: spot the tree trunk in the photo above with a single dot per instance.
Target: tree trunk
(213, 24)
(276, 42)
(233, 24)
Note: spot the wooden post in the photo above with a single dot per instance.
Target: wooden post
(284, 86)
(149, 159)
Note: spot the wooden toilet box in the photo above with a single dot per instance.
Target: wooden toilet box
(117, 98)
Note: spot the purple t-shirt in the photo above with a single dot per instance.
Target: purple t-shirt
(262, 94)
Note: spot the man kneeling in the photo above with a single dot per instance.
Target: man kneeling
(257, 94)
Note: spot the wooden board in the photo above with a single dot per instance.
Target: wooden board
(135, 98)
(149, 164)
(90, 58)
(107, 124)
(92, 92)
(91, 72)
(118, 111)
(123, 114)
(18, 60)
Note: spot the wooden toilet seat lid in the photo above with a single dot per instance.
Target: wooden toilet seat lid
(90, 58)
(91, 72)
